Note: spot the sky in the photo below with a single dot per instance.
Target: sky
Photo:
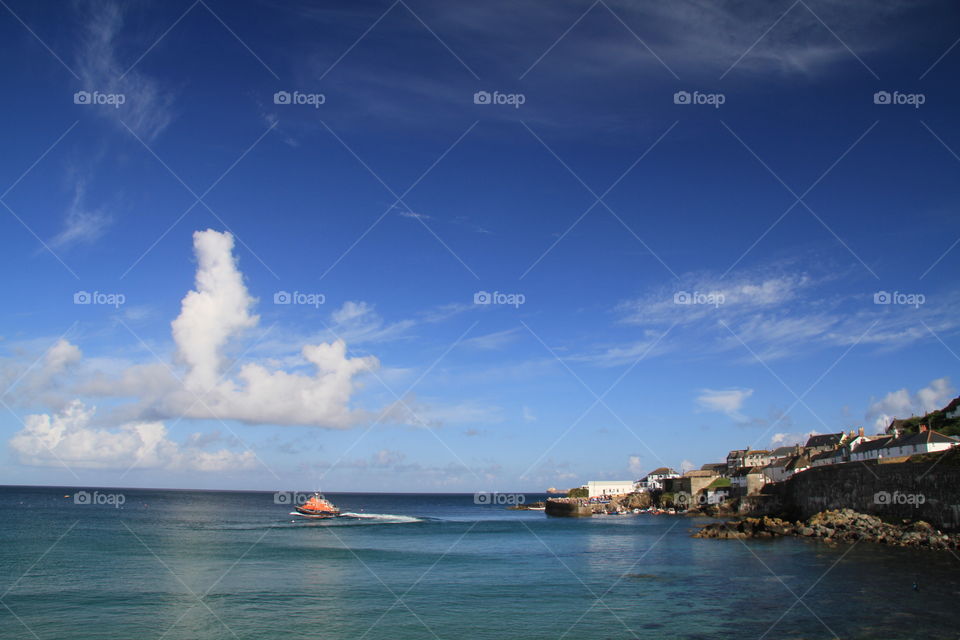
(499, 246)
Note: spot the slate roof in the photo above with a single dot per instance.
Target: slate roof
(781, 452)
(823, 455)
(745, 471)
(825, 440)
(923, 437)
(780, 462)
(871, 445)
(662, 471)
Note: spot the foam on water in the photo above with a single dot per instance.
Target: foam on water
(372, 518)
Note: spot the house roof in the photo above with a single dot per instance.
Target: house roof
(714, 466)
(923, 437)
(745, 471)
(758, 452)
(798, 462)
(779, 462)
(823, 455)
(780, 452)
(825, 440)
(870, 445)
(898, 423)
(700, 473)
(662, 471)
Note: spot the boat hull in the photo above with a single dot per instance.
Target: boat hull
(317, 514)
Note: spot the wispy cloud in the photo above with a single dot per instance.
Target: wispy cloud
(726, 401)
(147, 107)
(82, 225)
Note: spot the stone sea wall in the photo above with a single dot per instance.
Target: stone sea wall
(928, 491)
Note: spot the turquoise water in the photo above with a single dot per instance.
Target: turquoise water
(191, 564)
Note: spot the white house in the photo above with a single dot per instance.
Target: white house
(655, 479)
(601, 488)
(924, 441)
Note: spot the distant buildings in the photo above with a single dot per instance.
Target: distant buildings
(747, 471)
(739, 458)
(608, 488)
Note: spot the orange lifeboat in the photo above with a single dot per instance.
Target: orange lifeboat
(318, 507)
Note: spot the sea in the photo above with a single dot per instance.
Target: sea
(102, 563)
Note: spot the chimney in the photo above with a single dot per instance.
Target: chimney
(860, 432)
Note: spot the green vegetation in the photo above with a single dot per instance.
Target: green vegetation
(936, 420)
(579, 492)
(719, 483)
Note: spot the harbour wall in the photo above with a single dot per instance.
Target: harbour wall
(927, 491)
(568, 509)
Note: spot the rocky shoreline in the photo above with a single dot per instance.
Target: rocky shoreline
(842, 525)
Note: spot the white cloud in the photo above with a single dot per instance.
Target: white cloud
(790, 439)
(727, 401)
(900, 404)
(687, 465)
(528, 415)
(67, 438)
(214, 314)
(635, 466)
(61, 355)
(217, 310)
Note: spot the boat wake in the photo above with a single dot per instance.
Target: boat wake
(349, 517)
(382, 517)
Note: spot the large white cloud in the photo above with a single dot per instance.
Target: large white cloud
(217, 311)
(68, 438)
(901, 404)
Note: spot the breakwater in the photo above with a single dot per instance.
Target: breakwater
(568, 508)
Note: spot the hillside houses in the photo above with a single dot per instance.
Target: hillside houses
(747, 471)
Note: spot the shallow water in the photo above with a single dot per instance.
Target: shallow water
(192, 564)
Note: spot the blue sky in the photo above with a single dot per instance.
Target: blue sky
(675, 277)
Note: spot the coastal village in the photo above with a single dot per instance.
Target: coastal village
(746, 472)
